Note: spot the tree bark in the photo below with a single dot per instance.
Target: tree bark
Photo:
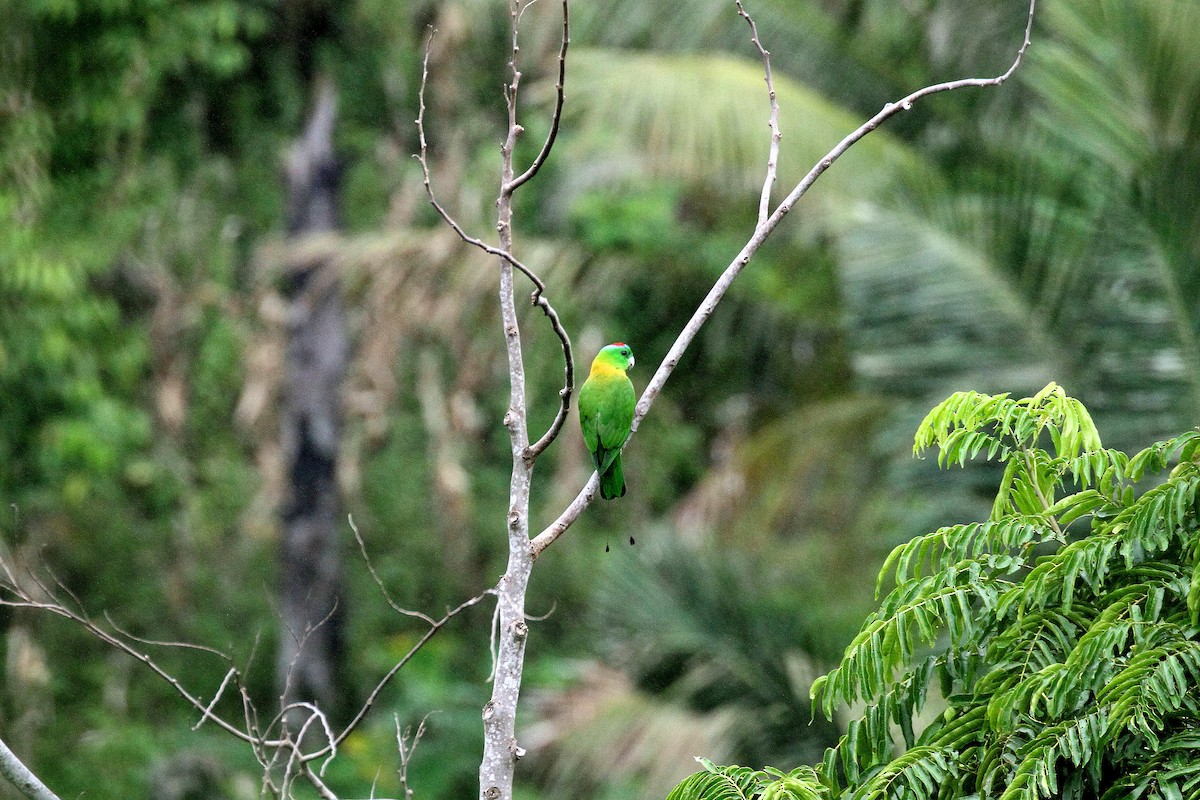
(310, 651)
(20, 776)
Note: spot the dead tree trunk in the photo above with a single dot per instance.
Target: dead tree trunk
(310, 651)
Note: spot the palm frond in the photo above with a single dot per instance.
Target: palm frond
(718, 783)
(702, 118)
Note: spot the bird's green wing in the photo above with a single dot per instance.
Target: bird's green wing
(615, 417)
(606, 415)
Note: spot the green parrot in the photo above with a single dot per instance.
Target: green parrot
(606, 403)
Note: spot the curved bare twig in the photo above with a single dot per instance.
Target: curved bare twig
(538, 297)
(371, 698)
(764, 200)
(387, 596)
(57, 607)
(556, 118)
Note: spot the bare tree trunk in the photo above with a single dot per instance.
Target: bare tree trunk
(310, 650)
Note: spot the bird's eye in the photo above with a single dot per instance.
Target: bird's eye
(625, 352)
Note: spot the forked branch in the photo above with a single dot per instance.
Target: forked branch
(286, 756)
(538, 297)
(556, 117)
(764, 200)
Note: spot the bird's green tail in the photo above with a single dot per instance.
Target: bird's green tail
(612, 483)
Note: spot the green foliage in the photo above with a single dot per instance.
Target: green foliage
(1052, 239)
(1063, 633)
(742, 783)
(141, 138)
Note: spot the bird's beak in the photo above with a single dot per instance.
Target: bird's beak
(632, 360)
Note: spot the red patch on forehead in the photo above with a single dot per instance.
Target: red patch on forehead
(618, 344)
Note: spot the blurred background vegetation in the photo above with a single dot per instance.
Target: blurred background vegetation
(989, 240)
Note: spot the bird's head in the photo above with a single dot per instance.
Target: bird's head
(617, 355)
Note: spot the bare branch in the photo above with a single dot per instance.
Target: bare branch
(517, 182)
(567, 518)
(371, 698)
(887, 112)
(216, 698)
(301, 641)
(315, 715)
(156, 643)
(55, 606)
(564, 394)
(537, 298)
(764, 201)
(761, 232)
(22, 777)
(323, 790)
(406, 749)
(362, 548)
(497, 767)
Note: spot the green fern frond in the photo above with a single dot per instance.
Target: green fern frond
(964, 422)
(1030, 643)
(718, 783)
(799, 784)
(1193, 590)
(1076, 741)
(1054, 578)
(1158, 520)
(944, 547)
(918, 773)
(742, 783)
(1154, 683)
(961, 410)
(1065, 631)
(1174, 769)
(868, 743)
(1101, 468)
(914, 614)
(1157, 457)
(1075, 506)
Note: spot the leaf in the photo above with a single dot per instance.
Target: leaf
(718, 783)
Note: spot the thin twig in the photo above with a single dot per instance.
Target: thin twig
(362, 548)
(761, 232)
(406, 750)
(318, 784)
(556, 118)
(250, 713)
(764, 200)
(216, 698)
(564, 394)
(56, 607)
(301, 643)
(538, 297)
(371, 698)
(493, 641)
(315, 714)
(422, 159)
(156, 643)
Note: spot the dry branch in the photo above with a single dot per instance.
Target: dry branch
(510, 185)
(22, 777)
(278, 750)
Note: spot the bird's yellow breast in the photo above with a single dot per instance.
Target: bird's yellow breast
(605, 371)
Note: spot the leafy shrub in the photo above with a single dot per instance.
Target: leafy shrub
(1061, 632)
